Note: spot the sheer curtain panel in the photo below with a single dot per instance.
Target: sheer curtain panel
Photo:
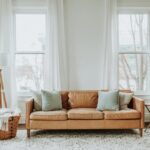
(108, 67)
(56, 45)
(6, 47)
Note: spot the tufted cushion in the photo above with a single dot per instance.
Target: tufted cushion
(85, 113)
(56, 115)
(122, 114)
(83, 99)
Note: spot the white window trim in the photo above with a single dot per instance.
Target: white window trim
(30, 10)
(138, 52)
(135, 10)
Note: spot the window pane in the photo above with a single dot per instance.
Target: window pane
(133, 32)
(29, 72)
(30, 32)
(133, 71)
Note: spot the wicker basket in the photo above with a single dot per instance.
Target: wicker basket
(12, 128)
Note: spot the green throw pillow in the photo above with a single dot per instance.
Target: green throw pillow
(108, 100)
(124, 99)
(51, 100)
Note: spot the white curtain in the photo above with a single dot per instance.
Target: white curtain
(6, 47)
(57, 46)
(108, 68)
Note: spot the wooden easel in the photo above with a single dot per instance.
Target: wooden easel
(2, 92)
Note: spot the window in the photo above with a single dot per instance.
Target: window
(134, 52)
(30, 49)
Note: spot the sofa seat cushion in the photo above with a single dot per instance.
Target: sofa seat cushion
(85, 113)
(122, 114)
(57, 115)
(83, 99)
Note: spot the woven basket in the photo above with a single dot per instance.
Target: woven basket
(12, 128)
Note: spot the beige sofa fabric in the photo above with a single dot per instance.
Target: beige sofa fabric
(83, 99)
(49, 115)
(122, 114)
(85, 113)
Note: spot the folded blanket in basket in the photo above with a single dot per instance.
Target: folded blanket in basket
(5, 113)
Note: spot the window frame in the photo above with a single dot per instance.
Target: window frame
(45, 52)
(135, 10)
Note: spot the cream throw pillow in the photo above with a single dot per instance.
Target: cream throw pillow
(124, 99)
(37, 100)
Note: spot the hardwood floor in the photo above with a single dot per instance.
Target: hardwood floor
(21, 127)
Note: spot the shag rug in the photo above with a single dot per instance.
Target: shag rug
(79, 140)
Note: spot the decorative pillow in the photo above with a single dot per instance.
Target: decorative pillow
(37, 100)
(108, 100)
(51, 100)
(83, 99)
(124, 99)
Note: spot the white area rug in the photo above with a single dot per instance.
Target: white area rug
(78, 140)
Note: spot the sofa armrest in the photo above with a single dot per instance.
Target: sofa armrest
(138, 104)
(29, 110)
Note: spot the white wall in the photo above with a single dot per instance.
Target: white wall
(29, 3)
(133, 3)
(84, 32)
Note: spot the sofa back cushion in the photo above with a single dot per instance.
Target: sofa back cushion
(64, 98)
(68, 98)
(83, 99)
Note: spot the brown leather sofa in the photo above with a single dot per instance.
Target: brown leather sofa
(79, 112)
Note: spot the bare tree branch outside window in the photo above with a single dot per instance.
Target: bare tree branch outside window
(133, 37)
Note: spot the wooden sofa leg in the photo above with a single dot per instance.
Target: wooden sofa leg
(28, 133)
(141, 132)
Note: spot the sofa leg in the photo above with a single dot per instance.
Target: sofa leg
(28, 133)
(141, 132)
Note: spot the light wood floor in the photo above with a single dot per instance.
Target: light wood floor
(21, 127)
